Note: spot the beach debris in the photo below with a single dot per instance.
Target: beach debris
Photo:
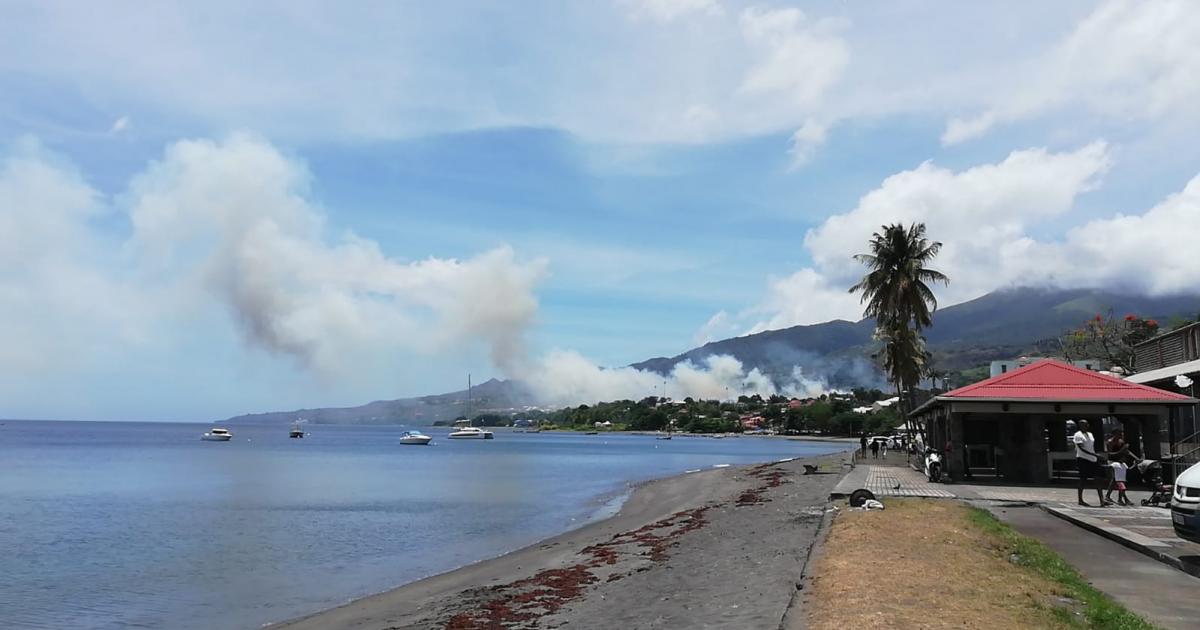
(872, 504)
(860, 496)
(519, 603)
(810, 469)
(766, 472)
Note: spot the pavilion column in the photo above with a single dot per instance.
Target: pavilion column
(1037, 467)
(956, 455)
(1151, 436)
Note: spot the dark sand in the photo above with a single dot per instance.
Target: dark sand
(721, 548)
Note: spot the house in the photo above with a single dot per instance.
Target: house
(752, 422)
(1017, 425)
(880, 405)
(867, 409)
(1171, 362)
(1003, 367)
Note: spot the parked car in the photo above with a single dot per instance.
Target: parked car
(1185, 505)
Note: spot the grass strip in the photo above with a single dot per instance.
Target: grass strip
(1099, 610)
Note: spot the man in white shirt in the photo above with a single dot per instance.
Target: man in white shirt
(1086, 461)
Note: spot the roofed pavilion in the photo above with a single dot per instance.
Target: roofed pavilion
(1014, 425)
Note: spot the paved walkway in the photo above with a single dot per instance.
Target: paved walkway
(1152, 589)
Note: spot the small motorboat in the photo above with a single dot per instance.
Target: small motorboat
(217, 435)
(470, 433)
(296, 431)
(415, 437)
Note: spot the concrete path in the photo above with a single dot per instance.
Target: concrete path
(889, 481)
(1159, 593)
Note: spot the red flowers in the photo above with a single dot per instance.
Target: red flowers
(1130, 318)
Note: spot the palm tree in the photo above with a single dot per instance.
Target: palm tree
(897, 296)
(896, 289)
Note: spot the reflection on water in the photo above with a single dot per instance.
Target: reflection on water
(114, 525)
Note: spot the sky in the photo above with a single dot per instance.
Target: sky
(215, 208)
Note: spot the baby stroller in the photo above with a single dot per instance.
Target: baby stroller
(1160, 493)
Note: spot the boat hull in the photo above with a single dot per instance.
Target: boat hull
(216, 438)
(470, 436)
(412, 441)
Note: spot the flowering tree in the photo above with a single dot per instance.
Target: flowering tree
(1109, 339)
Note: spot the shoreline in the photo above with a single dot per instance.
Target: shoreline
(655, 504)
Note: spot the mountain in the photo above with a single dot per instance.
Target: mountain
(1001, 325)
(494, 394)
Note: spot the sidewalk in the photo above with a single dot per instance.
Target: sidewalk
(1152, 589)
(1147, 530)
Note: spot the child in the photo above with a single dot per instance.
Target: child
(1118, 469)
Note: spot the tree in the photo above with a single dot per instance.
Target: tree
(1108, 339)
(897, 294)
(896, 288)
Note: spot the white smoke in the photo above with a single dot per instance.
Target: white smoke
(234, 217)
(568, 378)
(231, 223)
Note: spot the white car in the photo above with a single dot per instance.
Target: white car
(1185, 505)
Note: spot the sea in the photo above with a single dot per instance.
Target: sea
(143, 525)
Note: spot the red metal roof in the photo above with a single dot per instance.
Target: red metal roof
(1050, 380)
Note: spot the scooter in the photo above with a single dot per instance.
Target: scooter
(933, 465)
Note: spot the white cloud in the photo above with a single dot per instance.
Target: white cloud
(805, 142)
(119, 125)
(1152, 252)
(58, 277)
(798, 59)
(688, 72)
(982, 215)
(668, 10)
(1127, 60)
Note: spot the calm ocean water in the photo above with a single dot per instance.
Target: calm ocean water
(119, 525)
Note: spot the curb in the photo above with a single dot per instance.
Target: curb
(1165, 558)
(794, 617)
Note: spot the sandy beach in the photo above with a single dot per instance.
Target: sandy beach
(718, 548)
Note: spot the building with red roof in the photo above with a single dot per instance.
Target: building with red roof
(1015, 425)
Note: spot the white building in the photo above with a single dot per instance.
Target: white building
(1004, 367)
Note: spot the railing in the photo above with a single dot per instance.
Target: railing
(1185, 453)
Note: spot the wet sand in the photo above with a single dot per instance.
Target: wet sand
(719, 548)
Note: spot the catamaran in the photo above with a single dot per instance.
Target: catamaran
(469, 432)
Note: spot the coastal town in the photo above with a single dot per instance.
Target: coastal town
(600, 315)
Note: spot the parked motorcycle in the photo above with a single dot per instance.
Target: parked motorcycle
(933, 465)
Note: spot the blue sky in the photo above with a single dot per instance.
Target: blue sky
(210, 210)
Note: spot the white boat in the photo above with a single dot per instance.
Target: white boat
(415, 437)
(217, 435)
(296, 431)
(470, 433)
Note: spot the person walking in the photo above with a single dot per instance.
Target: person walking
(862, 442)
(874, 449)
(883, 449)
(1086, 461)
